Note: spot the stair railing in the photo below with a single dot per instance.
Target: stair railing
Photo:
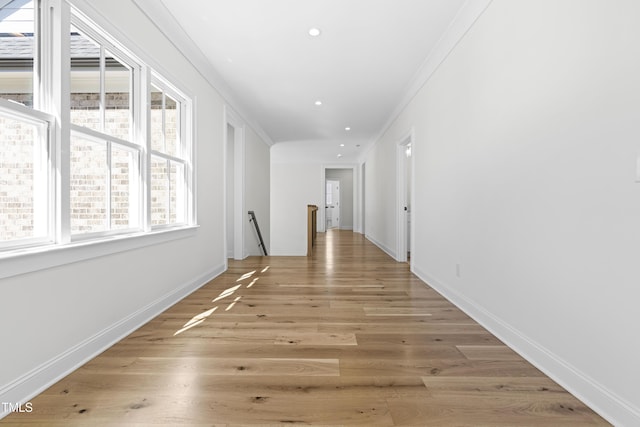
(252, 218)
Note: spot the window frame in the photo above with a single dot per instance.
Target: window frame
(137, 143)
(185, 155)
(52, 83)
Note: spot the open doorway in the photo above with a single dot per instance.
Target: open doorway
(234, 185)
(230, 174)
(340, 201)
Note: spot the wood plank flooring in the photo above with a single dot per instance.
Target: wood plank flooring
(346, 337)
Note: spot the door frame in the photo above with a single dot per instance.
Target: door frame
(357, 195)
(401, 195)
(232, 119)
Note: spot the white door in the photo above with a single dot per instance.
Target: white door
(403, 179)
(332, 204)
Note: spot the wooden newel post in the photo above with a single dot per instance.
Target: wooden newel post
(312, 211)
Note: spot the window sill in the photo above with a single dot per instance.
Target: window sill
(22, 261)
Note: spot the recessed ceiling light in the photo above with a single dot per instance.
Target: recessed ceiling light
(314, 32)
(341, 145)
(318, 102)
(339, 155)
(347, 128)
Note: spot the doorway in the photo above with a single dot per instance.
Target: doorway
(346, 196)
(230, 142)
(332, 204)
(235, 215)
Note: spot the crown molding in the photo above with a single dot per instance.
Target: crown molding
(466, 17)
(164, 21)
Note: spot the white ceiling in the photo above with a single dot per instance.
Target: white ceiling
(360, 67)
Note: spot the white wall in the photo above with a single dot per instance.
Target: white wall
(526, 140)
(293, 187)
(257, 191)
(380, 196)
(55, 318)
(295, 183)
(345, 176)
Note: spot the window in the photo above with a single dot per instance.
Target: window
(25, 137)
(105, 159)
(115, 161)
(104, 184)
(169, 156)
(24, 177)
(101, 86)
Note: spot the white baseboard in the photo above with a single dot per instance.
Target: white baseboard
(386, 249)
(606, 403)
(42, 377)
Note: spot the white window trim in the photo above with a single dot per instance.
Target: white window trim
(25, 113)
(63, 251)
(28, 260)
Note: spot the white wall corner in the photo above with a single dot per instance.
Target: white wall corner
(606, 403)
(385, 248)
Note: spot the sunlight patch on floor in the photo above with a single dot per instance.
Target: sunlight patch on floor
(226, 293)
(246, 276)
(233, 303)
(196, 320)
(199, 318)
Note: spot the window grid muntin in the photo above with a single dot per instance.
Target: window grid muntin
(116, 54)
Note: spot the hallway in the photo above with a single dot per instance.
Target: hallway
(346, 337)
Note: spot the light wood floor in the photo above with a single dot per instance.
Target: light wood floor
(347, 337)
